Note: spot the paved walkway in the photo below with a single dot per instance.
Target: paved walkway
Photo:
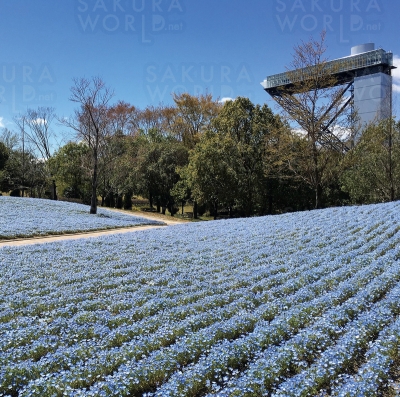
(93, 233)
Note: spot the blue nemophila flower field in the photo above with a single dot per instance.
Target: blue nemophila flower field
(26, 217)
(303, 304)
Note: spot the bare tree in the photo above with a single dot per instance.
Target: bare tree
(317, 105)
(193, 115)
(122, 118)
(35, 129)
(149, 120)
(91, 121)
(10, 139)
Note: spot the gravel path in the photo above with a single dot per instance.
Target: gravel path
(94, 233)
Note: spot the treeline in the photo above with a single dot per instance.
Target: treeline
(235, 158)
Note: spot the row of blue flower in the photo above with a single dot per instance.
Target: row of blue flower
(290, 305)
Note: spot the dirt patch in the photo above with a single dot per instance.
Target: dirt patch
(154, 216)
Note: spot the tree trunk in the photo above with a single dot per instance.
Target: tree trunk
(391, 177)
(249, 206)
(171, 208)
(54, 190)
(318, 196)
(107, 200)
(215, 210)
(270, 203)
(317, 181)
(195, 213)
(93, 201)
(103, 194)
(118, 200)
(128, 200)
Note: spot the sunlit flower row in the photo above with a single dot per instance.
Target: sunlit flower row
(26, 217)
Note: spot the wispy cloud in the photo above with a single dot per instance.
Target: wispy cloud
(1, 122)
(396, 74)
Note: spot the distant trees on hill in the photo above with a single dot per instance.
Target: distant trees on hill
(236, 159)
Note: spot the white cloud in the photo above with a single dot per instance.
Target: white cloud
(226, 99)
(396, 74)
(39, 121)
(299, 131)
(340, 132)
(1, 122)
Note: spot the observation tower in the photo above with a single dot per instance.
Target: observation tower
(366, 74)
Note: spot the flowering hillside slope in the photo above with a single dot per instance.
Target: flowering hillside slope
(26, 217)
(303, 304)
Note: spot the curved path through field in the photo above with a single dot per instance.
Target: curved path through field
(168, 221)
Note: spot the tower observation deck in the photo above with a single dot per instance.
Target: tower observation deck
(367, 71)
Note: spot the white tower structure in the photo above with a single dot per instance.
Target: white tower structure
(367, 74)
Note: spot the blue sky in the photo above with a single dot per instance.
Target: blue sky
(146, 49)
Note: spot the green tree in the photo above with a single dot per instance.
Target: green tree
(189, 119)
(211, 171)
(181, 191)
(23, 172)
(4, 155)
(156, 164)
(248, 126)
(71, 168)
(372, 168)
(114, 171)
